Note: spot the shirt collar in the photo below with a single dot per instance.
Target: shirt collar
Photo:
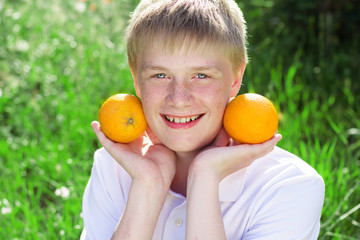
(230, 187)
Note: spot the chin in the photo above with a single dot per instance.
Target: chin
(186, 146)
(182, 148)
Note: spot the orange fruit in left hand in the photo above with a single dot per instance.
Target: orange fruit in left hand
(250, 118)
(122, 118)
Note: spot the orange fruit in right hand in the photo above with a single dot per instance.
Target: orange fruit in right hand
(122, 118)
(250, 118)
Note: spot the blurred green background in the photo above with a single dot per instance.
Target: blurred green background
(59, 60)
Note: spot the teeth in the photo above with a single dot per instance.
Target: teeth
(182, 120)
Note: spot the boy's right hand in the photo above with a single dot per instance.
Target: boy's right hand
(143, 160)
(152, 168)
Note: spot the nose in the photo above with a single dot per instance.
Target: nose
(179, 94)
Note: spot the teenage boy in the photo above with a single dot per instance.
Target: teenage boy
(186, 179)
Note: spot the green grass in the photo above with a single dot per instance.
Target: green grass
(57, 65)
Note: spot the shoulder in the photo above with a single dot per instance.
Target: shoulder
(105, 163)
(107, 173)
(105, 196)
(282, 177)
(278, 171)
(103, 158)
(281, 165)
(284, 190)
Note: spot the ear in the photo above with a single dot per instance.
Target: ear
(136, 85)
(235, 87)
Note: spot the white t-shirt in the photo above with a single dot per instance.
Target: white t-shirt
(279, 196)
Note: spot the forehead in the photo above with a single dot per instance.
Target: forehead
(186, 53)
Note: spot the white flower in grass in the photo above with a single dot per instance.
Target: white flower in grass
(5, 207)
(22, 45)
(63, 192)
(80, 7)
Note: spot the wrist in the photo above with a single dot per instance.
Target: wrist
(203, 170)
(202, 178)
(202, 183)
(142, 210)
(150, 186)
(203, 217)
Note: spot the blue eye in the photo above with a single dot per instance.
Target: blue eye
(201, 76)
(160, 75)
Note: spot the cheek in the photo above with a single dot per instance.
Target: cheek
(151, 99)
(215, 96)
(149, 92)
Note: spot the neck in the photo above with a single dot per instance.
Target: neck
(183, 162)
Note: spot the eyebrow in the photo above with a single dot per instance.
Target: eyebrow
(212, 68)
(152, 67)
(207, 68)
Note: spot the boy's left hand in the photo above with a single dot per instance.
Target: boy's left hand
(224, 156)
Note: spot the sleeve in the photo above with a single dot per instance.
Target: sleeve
(104, 198)
(290, 209)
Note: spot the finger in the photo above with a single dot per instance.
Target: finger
(277, 138)
(107, 143)
(99, 134)
(266, 147)
(273, 141)
(96, 128)
(125, 154)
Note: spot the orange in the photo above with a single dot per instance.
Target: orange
(122, 118)
(250, 118)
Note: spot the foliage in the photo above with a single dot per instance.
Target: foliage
(59, 60)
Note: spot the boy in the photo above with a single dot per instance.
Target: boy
(186, 179)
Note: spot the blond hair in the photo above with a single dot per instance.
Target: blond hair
(219, 23)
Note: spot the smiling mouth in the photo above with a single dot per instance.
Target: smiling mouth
(187, 119)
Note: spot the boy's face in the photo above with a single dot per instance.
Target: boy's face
(184, 94)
